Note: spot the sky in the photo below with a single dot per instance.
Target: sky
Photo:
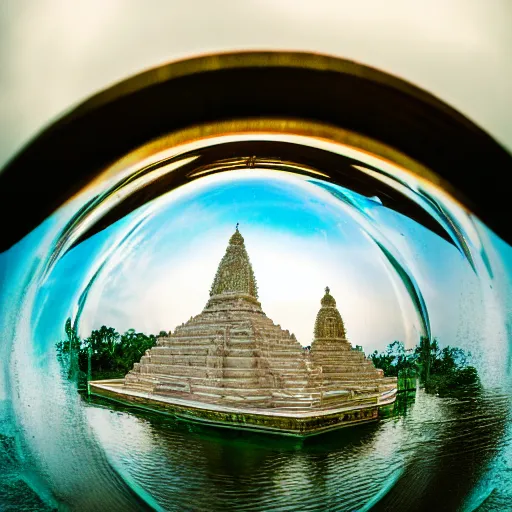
(56, 53)
(299, 238)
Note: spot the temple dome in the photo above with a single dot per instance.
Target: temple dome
(329, 324)
(235, 274)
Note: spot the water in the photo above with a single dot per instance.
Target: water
(394, 278)
(428, 456)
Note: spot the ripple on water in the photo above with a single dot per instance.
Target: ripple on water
(441, 444)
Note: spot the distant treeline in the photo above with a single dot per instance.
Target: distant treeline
(439, 370)
(105, 353)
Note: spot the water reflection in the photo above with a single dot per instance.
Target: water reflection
(427, 455)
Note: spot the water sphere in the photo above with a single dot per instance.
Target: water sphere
(350, 225)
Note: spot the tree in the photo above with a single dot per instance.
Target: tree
(441, 371)
(70, 355)
(450, 372)
(103, 343)
(426, 353)
(394, 360)
(107, 353)
(132, 347)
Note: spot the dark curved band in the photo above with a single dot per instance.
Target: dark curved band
(65, 156)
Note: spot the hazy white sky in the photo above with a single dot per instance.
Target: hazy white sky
(55, 53)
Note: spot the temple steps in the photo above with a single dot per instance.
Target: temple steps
(251, 401)
(347, 386)
(251, 361)
(258, 397)
(221, 389)
(193, 346)
(214, 382)
(348, 372)
(178, 359)
(255, 364)
(343, 378)
(242, 352)
(139, 383)
(342, 365)
(189, 347)
(338, 361)
(280, 353)
(253, 374)
(355, 356)
(354, 387)
(285, 366)
(197, 371)
(221, 394)
(298, 406)
(238, 361)
(242, 343)
(192, 336)
(142, 385)
(181, 350)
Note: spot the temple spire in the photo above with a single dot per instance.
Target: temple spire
(235, 274)
(329, 324)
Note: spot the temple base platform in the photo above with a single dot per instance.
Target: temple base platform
(301, 423)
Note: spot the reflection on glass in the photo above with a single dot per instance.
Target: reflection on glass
(424, 310)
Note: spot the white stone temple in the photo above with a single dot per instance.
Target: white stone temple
(233, 366)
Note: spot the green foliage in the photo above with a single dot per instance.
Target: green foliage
(442, 371)
(426, 353)
(394, 359)
(111, 354)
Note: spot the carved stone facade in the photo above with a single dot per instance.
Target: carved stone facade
(329, 324)
(235, 274)
(233, 354)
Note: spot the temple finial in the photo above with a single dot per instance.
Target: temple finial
(327, 289)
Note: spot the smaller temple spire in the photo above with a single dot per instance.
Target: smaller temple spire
(329, 323)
